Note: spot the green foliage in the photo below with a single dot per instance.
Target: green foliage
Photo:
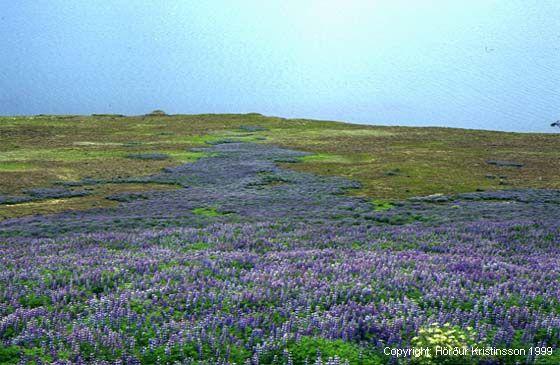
(553, 359)
(9, 354)
(34, 301)
(393, 172)
(198, 246)
(207, 211)
(242, 265)
(177, 354)
(13, 166)
(325, 158)
(310, 348)
(381, 205)
(20, 354)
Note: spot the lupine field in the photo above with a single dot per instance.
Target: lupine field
(240, 256)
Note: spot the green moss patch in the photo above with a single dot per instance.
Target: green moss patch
(10, 166)
(207, 212)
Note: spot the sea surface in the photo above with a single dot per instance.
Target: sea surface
(477, 64)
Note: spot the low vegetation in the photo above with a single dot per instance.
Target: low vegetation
(244, 239)
(390, 162)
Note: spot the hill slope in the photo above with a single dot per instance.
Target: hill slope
(390, 162)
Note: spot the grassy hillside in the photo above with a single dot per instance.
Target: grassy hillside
(236, 257)
(390, 162)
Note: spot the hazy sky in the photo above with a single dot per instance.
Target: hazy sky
(476, 64)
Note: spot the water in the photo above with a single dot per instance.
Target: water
(478, 64)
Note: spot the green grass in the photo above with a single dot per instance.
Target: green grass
(330, 158)
(381, 205)
(307, 349)
(391, 162)
(14, 166)
(400, 162)
(207, 212)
